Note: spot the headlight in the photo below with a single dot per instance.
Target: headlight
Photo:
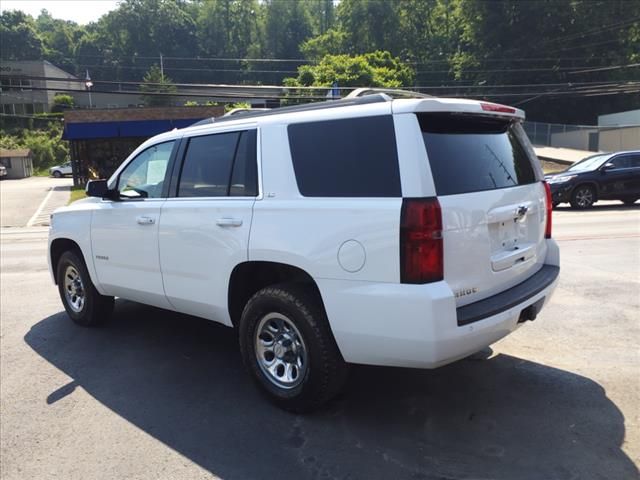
(560, 179)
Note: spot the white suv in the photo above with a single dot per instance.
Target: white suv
(408, 232)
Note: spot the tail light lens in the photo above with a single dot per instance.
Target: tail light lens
(549, 204)
(421, 252)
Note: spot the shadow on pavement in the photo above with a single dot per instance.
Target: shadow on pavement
(180, 379)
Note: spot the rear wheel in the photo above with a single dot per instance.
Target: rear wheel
(629, 201)
(583, 197)
(57, 174)
(288, 348)
(84, 305)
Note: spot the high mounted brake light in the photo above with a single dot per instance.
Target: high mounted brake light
(421, 250)
(495, 107)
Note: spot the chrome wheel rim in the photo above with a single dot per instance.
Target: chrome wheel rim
(74, 289)
(584, 197)
(280, 351)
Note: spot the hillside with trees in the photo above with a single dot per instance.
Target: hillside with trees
(562, 60)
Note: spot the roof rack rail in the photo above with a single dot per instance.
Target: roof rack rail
(391, 92)
(306, 107)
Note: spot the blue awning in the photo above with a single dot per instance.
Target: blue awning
(140, 128)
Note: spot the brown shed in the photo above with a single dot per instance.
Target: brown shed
(19, 163)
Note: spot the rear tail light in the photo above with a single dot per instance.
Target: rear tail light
(549, 205)
(421, 252)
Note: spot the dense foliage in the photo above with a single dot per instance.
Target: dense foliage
(44, 141)
(455, 47)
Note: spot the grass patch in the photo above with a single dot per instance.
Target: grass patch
(77, 193)
(41, 172)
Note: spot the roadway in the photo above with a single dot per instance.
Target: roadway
(156, 395)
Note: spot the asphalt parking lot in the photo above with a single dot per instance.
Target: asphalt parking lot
(156, 395)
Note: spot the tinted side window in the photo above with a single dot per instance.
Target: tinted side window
(207, 165)
(470, 153)
(244, 179)
(354, 157)
(634, 161)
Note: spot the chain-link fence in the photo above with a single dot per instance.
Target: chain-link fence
(584, 137)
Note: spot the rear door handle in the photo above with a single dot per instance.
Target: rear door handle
(144, 220)
(229, 222)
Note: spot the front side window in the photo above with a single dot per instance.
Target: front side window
(620, 162)
(220, 165)
(145, 174)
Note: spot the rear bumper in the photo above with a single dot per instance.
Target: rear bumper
(417, 325)
(508, 299)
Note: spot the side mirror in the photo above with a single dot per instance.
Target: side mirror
(608, 166)
(97, 188)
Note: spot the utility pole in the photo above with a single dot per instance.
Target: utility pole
(161, 69)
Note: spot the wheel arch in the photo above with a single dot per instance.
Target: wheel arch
(590, 183)
(58, 247)
(249, 277)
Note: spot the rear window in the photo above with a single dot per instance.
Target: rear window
(353, 157)
(475, 153)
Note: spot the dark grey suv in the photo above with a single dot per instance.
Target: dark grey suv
(607, 176)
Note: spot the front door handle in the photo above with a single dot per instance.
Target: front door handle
(229, 222)
(144, 220)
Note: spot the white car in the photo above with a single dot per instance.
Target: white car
(60, 171)
(407, 232)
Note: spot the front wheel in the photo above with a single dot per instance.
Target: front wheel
(84, 305)
(288, 348)
(583, 197)
(629, 201)
(57, 174)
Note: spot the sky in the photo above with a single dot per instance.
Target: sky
(80, 11)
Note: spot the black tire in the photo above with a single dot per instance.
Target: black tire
(583, 197)
(629, 201)
(325, 370)
(95, 308)
(57, 174)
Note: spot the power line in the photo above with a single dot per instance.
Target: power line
(419, 72)
(593, 31)
(302, 60)
(623, 89)
(283, 88)
(602, 69)
(33, 117)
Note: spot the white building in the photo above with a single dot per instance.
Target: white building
(630, 117)
(26, 88)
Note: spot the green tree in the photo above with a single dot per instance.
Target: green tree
(370, 25)
(287, 25)
(46, 144)
(376, 69)
(19, 39)
(59, 38)
(156, 88)
(62, 102)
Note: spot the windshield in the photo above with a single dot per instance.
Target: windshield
(589, 163)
